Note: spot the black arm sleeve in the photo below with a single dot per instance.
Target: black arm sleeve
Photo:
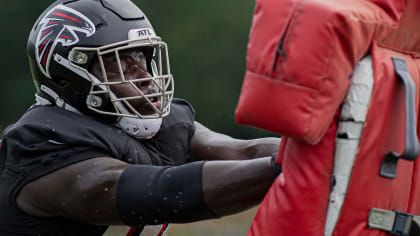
(149, 195)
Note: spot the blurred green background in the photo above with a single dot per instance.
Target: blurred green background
(207, 44)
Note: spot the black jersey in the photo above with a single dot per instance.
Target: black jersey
(48, 138)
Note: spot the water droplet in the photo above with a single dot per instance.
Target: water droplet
(175, 211)
(180, 193)
(106, 189)
(165, 198)
(53, 130)
(156, 221)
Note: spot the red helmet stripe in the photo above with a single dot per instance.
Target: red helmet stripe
(64, 37)
(43, 44)
(66, 16)
(52, 22)
(44, 60)
(46, 32)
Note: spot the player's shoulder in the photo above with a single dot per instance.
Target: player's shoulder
(42, 116)
(182, 105)
(41, 121)
(38, 113)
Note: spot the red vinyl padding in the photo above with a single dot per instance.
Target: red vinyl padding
(298, 93)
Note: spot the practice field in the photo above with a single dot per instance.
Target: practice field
(236, 225)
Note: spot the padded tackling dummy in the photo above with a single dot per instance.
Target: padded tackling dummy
(301, 55)
(304, 51)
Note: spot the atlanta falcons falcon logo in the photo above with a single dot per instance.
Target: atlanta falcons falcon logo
(59, 25)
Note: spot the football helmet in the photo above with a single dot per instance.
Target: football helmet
(71, 35)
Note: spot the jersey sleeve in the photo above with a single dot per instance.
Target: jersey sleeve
(46, 139)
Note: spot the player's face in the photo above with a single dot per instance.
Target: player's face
(134, 66)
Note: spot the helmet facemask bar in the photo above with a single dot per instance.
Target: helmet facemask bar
(161, 80)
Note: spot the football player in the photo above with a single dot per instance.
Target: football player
(107, 144)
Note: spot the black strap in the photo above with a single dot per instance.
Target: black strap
(415, 226)
(411, 150)
(135, 231)
(275, 167)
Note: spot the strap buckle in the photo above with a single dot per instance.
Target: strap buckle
(394, 222)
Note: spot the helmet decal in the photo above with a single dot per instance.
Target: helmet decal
(59, 25)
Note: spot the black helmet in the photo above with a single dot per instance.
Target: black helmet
(71, 34)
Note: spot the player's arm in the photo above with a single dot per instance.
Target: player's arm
(108, 191)
(209, 145)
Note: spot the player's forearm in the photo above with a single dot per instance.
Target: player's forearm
(209, 145)
(236, 149)
(191, 192)
(233, 186)
(261, 147)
